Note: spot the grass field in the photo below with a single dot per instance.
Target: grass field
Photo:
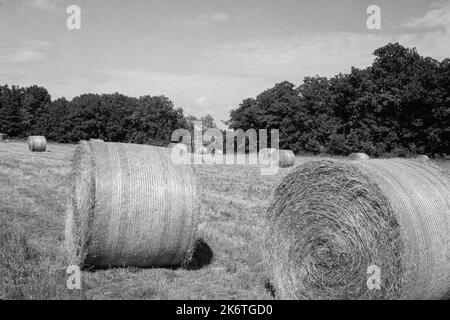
(34, 188)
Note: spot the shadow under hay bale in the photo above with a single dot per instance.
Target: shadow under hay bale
(329, 221)
(202, 256)
(130, 206)
(37, 143)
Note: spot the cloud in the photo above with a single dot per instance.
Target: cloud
(293, 57)
(434, 18)
(326, 54)
(223, 92)
(44, 5)
(200, 101)
(209, 19)
(26, 52)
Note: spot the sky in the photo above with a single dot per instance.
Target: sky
(205, 55)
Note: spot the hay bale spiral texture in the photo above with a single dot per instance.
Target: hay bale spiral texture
(329, 221)
(37, 143)
(131, 206)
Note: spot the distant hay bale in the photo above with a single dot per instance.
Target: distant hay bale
(422, 158)
(332, 222)
(286, 158)
(3, 137)
(130, 206)
(37, 143)
(359, 157)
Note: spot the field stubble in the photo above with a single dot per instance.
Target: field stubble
(34, 188)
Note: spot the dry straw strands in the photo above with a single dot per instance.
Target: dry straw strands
(330, 220)
(131, 205)
(359, 156)
(37, 143)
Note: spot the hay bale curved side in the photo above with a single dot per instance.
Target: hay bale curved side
(423, 158)
(286, 158)
(37, 143)
(359, 157)
(329, 221)
(131, 206)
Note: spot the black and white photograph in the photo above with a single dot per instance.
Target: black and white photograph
(241, 152)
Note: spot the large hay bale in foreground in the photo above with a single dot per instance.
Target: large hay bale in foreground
(359, 157)
(330, 222)
(37, 143)
(130, 206)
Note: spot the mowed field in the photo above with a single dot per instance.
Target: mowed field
(34, 188)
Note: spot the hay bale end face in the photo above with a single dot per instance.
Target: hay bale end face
(37, 143)
(330, 222)
(358, 157)
(130, 206)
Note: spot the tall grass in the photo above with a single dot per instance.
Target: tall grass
(25, 271)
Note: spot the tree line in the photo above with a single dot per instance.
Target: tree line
(399, 106)
(111, 117)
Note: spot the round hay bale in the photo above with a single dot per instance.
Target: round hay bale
(286, 158)
(423, 158)
(359, 157)
(37, 143)
(333, 222)
(130, 206)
